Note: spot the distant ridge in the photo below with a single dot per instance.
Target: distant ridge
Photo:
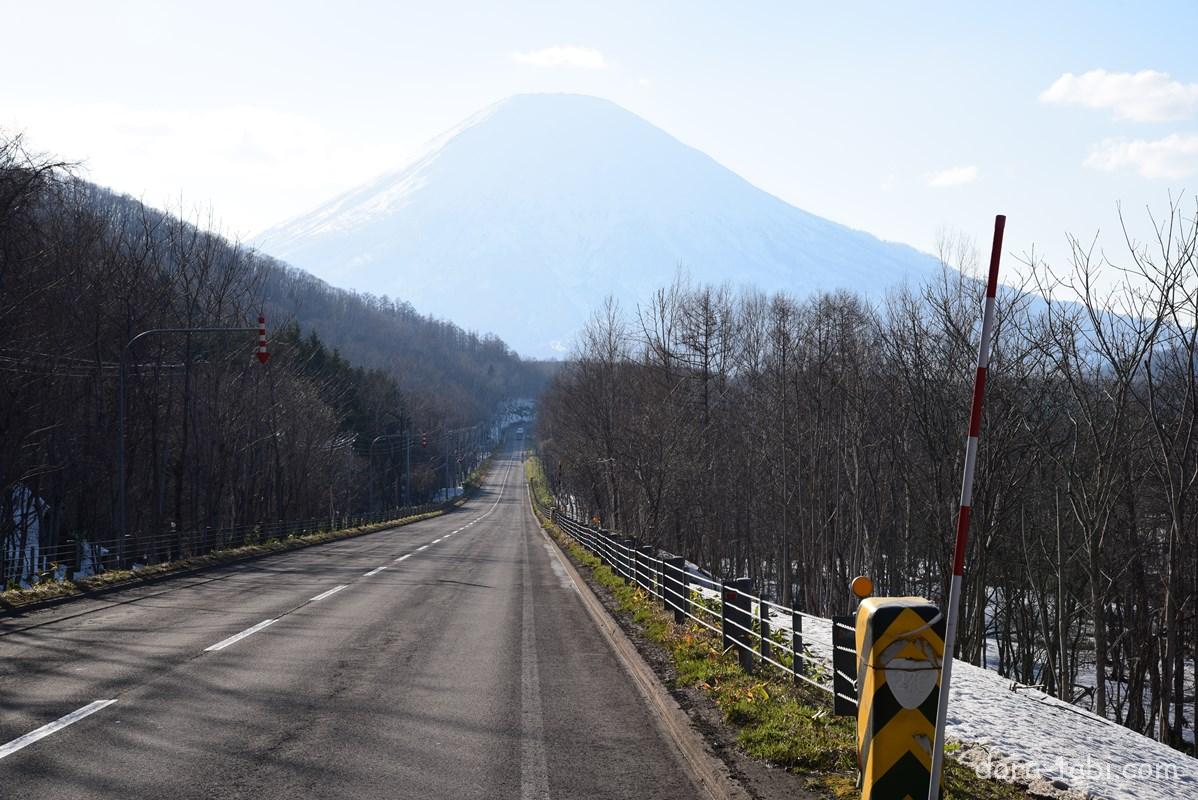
(522, 219)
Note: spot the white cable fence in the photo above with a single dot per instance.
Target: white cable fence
(763, 633)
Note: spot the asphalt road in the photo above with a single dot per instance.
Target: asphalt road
(466, 667)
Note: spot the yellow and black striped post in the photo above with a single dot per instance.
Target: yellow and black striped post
(900, 645)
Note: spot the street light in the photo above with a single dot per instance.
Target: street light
(370, 455)
(122, 507)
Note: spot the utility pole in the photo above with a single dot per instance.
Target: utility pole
(370, 456)
(446, 446)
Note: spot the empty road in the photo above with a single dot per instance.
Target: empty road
(450, 658)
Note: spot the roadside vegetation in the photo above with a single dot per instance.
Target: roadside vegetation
(15, 598)
(776, 721)
(214, 441)
(804, 440)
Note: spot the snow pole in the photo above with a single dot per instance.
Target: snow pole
(971, 453)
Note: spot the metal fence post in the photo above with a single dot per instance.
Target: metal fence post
(647, 571)
(763, 622)
(676, 583)
(796, 643)
(661, 581)
(634, 557)
(735, 610)
(627, 556)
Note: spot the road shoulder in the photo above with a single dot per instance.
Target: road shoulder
(687, 717)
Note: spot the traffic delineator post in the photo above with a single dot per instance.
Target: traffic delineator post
(952, 607)
(900, 650)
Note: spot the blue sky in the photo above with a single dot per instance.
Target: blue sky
(902, 119)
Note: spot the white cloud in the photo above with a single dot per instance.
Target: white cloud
(1174, 156)
(559, 56)
(252, 165)
(1145, 96)
(954, 176)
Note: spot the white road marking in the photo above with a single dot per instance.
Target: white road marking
(56, 725)
(323, 595)
(534, 772)
(374, 571)
(437, 541)
(401, 558)
(250, 631)
(422, 547)
(556, 565)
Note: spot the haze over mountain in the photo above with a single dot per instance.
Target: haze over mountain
(521, 220)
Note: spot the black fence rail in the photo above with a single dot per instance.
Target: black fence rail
(24, 560)
(763, 633)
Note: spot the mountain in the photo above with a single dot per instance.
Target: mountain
(522, 219)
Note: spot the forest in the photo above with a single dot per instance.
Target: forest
(804, 441)
(363, 405)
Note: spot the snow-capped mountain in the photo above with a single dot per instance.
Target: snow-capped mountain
(524, 218)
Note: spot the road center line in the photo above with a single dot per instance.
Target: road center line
(422, 547)
(374, 571)
(401, 558)
(323, 595)
(250, 631)
(56, 725)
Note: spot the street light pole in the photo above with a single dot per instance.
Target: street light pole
(122, 500)
(446, 448)
(370, 456)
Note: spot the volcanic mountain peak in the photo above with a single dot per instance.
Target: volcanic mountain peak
(566, 199)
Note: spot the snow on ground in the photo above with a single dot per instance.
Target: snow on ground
(1045, 736)
(1029, 734)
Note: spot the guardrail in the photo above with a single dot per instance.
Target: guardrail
(71, 558)
(755, 627)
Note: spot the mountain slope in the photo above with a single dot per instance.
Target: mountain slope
(571, 198)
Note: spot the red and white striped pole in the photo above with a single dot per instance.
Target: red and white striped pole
(263, 355)
(971, 454)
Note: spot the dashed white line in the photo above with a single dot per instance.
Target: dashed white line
(250, 631)
(56, 725)
(323, 595)
(17, 744)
